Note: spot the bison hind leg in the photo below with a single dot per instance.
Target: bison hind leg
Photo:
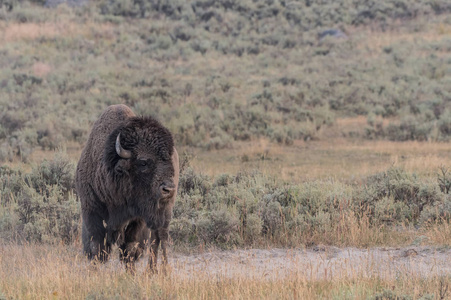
(136, 238)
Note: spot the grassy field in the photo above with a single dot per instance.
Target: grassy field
(289, 142)
(332, 159)
(43, 272)
(48, 268)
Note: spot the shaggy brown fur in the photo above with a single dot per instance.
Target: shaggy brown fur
(127, 201)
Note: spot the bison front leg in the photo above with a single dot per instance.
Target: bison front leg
(95, 242)
(163, 234)
(154, 244)
(136, 236)
(158, 238)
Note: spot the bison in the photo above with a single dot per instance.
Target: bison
(126, 180)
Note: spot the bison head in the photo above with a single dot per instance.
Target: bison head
(142, 169)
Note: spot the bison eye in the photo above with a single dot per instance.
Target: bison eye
(142, 163)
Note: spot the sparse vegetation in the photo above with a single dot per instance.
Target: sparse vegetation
(247, 209)
(304, 123)
(218, 72)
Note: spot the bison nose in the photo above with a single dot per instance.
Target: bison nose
(167, 189)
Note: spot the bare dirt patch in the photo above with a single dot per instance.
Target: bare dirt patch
(318, 263)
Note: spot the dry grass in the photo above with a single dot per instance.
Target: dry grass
(60, 272)
(335, 158)
(30, 31)
(332, 158)
(14, 32)
(440, 234)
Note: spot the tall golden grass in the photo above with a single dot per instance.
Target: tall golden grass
(60, 272)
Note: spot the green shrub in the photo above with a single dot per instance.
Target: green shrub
(218, 140)
(271, 213)
(223, 180)
(253, 227)
(39, 206)
(389, 211)
(49, 217)
(7, 5)
(444, 124)
(405, 194)
(440, 212)
(259, 208)
(11, 182)
(409, 129)
(444, 180)
(141, 8)
(183, 231)
(192, 183)
(219, 227)
(58, 171)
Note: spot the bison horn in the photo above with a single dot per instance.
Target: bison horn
(121, 151)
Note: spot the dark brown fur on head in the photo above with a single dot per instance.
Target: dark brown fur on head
(139, 131)
(151, 144)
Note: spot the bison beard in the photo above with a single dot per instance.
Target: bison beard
(127, 180)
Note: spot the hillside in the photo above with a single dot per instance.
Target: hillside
(216, 72)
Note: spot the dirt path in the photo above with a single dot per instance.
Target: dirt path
(317, 263)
